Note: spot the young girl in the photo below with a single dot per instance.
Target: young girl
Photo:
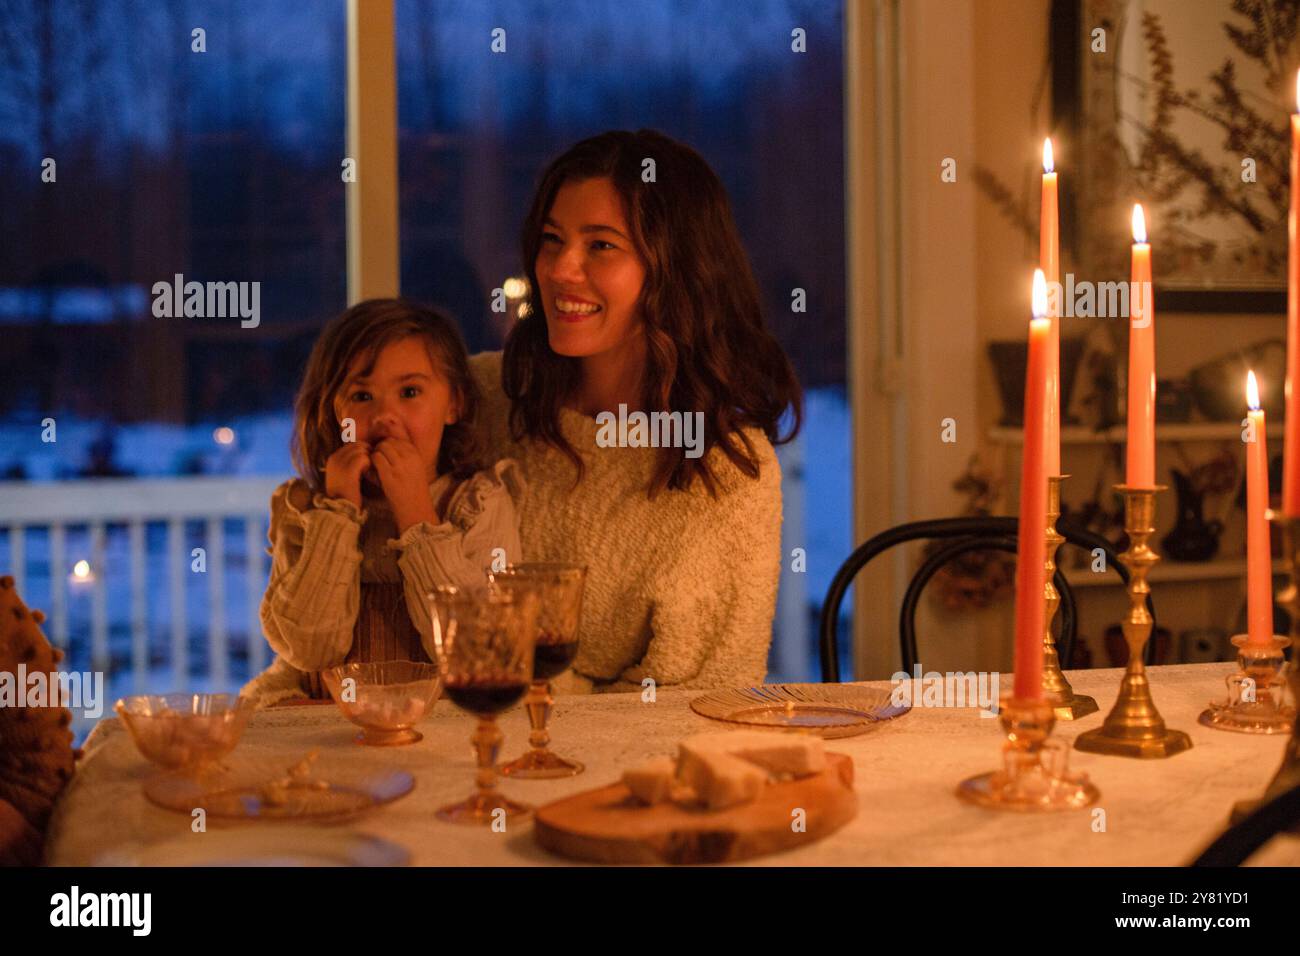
(389, 503)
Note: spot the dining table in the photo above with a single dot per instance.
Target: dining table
(906, 770)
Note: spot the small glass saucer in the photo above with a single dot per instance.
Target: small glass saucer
(264, 790)
(270, 845)
(828, 710)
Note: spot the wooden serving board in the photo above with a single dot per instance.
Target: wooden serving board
(609, 825)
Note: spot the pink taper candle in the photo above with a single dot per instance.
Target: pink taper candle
(1141, 451)
(1031, 547)
(1259, 562)
(1049, 254)
(1291, 442)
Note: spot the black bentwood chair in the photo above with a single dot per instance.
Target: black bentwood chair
(968, 534)
(1239, 842)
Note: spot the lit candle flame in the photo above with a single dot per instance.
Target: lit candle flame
(1139, 224)
(1039, 297)
(1048, 164)
(81, 569)
(1297, 91)
(1252, 392)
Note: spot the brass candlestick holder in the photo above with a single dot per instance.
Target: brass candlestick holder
(1288, 775)
(1033, 775)
(1067, 704)
(1134, 728)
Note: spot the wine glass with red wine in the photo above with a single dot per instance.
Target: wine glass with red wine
(483, 640)
(559, 587)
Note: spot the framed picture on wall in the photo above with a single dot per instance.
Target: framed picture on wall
(1184, 107)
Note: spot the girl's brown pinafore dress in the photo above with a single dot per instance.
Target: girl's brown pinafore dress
(383, 631)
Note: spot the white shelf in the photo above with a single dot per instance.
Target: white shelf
(1116, 434)
(1169, 571)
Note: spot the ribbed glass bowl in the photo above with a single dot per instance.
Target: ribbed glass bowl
(385, 699)
(185, 731)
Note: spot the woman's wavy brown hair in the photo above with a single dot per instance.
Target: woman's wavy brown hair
(362, 332)
(707, 346)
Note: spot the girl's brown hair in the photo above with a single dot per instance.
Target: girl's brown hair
(362, 332)
(707, 346)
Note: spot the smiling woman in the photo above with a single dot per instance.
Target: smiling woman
(641, 296)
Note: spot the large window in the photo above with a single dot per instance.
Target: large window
(141, 141)
(478, 126)
(203, 139)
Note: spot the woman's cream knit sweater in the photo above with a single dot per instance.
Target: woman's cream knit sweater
(681, 588)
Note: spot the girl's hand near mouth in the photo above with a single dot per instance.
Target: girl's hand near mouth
(404, 480)
(343, 471)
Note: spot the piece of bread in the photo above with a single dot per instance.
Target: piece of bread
(781, 754)
(36, 755)
(718, 779)
(652, 781)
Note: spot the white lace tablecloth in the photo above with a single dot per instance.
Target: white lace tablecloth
(1157, 812)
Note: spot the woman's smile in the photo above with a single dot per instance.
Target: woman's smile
(570, 308)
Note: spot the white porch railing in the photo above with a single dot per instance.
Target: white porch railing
(97, 505)
(134, 502)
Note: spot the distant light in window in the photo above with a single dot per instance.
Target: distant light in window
(81, 573)
(73, 305)
(515, 287)
(223, 435)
